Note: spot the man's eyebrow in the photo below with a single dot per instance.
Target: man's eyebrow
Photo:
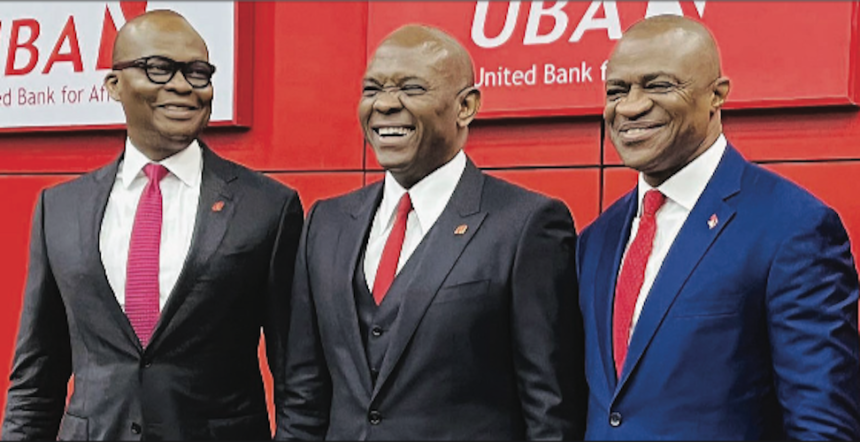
(396, 80)
(656, 75)
(643, 79)
(410, 78)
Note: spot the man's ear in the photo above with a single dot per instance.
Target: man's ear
(112, 84)
(721, 87)
(470, 103)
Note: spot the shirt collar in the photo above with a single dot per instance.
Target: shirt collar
(686, 186)
(185, 164)
(429, 196)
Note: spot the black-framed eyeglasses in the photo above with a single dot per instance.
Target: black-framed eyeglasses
(160, 70)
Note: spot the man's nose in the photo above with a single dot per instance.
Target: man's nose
(179, 84)
(387, 101)
(635, 104)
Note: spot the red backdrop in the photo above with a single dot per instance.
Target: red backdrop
(308, 61)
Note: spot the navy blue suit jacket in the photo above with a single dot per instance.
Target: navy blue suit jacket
(750, 328)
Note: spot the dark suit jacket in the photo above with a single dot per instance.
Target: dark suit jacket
(199, 378)
(750, 328)
(488, 341)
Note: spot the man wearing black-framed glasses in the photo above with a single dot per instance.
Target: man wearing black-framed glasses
(167, 102)
(160, 70)
(151, 278)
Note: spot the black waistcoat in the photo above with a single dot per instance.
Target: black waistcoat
(374, 322)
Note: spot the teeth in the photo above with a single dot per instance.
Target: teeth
(637, 131)
(388, 131)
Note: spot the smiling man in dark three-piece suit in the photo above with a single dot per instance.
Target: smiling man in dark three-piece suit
(719, 299)
(440, 303)
(150, 279)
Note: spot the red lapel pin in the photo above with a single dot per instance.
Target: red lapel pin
(461, 229)
(712, 221)
(218, 206)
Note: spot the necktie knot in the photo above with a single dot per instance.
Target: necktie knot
(387, 269)
(404, 206)
(155, 172)
(652, 202)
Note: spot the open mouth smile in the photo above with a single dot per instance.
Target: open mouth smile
(637, 133)
(178, 111)
(393, 132)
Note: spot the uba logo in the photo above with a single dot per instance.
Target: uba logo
(609, 22)
(28, 45)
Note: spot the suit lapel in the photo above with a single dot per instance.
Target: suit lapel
(442, 250)
(617, 231)
(351, 239)
(691, 244)
(209, 229)
(90, 215)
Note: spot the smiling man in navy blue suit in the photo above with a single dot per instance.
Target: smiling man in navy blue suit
(719, 299)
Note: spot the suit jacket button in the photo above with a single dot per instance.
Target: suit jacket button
(375, 417)
(615, 419)
(135, 428)
(376, 332)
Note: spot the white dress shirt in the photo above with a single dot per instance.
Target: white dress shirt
(429, 198)
(180, 192)
(682, 191)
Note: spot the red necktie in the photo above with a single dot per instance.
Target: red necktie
(632, 276)
(141, 284)
(391, 253)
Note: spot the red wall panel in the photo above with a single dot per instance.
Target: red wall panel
(816, 134)
(536, 143)
(578, 188)
(314, 186)
(52, 152)
(616, 182)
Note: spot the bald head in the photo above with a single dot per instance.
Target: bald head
(440, 48)
(684, 37)
(144, 27)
